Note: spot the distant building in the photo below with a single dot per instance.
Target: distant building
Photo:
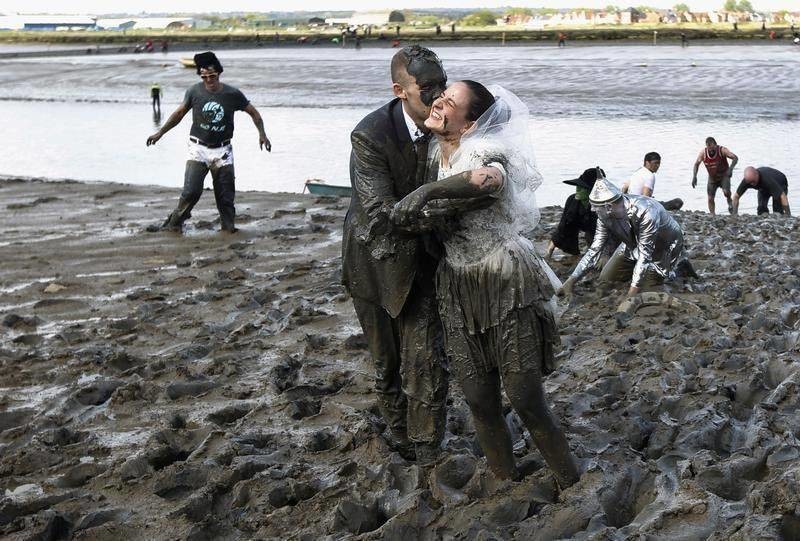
(47, 22)
(149, 23)
(371, 18)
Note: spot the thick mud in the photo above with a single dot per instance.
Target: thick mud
(216, 386)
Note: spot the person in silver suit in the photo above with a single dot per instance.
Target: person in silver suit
(653, 241)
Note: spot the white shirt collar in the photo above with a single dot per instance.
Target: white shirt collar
(413, 130)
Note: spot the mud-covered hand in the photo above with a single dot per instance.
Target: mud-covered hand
(566, 289)
(153, 139)
(264, 143)
(408, 210)
(694, 182)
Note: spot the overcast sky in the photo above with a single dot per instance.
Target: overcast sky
(162, 6)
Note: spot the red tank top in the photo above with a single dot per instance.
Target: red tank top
(717, 164)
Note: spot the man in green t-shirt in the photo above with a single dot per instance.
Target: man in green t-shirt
(213, 105)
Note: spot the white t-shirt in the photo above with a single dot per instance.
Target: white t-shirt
(640, 179)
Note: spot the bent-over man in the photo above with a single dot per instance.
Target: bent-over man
(770, 183)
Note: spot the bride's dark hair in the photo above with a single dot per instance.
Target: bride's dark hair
(481, 100)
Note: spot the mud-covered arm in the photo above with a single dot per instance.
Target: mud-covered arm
(472, 184)
(646, 245)
(372, 182)
(785, 204)
(697, 163)
(733, 157)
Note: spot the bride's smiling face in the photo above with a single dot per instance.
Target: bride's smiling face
(449, 111)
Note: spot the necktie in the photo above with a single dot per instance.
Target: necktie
(421, 148)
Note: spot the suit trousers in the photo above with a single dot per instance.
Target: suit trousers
(409, 361)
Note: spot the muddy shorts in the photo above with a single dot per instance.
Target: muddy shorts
(213, 158)
(718, 181)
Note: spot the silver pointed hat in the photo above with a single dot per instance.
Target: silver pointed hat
(604, 191)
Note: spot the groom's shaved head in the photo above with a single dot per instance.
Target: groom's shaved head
(412, 60)
(420, 68)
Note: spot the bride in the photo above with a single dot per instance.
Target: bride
(492, 287)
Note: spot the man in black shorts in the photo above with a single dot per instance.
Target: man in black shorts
(212, 104)
(770, 183)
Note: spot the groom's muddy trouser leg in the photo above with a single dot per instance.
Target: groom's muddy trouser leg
(225, 193)
(381, 332)
(193, 179)
(410, 372)
(424, 367)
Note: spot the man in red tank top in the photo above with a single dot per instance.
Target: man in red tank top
(715, 158)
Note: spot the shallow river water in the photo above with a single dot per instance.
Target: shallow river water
(87, 117)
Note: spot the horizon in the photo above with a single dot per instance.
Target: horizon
(37, 7)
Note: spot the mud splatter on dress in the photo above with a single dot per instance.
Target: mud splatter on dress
(492, 287)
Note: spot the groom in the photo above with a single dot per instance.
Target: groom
(387, 270)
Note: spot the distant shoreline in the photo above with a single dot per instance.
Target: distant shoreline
(119, 43)
(265, 38)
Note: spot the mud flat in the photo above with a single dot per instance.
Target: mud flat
(212, 386)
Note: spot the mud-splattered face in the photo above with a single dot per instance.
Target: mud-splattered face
(430, 79)
(426, 81)
(449, 112)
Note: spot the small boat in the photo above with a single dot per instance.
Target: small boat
(318, 187)
(187, 62)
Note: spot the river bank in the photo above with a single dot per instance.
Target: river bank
(109, 41)
(206, 386)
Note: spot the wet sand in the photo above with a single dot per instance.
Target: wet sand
(212, 386)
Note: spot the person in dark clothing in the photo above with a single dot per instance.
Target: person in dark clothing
(213, 105)
(155, 96)
(577, 216)
(770, 183)
(388, 270)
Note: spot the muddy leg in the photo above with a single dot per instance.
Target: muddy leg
(483, 396)
(527, 396)
(423, 369)
(380, 331)
(224, 193)
(525, 344)
(193, 179)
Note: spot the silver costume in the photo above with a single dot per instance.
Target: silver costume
(651, 237)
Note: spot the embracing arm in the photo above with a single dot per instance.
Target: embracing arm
(372, 181)
(263, 140)
(173, 120)
(476, 183)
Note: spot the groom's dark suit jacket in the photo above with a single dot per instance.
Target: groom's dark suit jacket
(379, 262)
